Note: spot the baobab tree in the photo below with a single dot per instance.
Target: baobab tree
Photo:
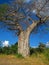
(19, 18)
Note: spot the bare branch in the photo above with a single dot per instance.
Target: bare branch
(20, 12)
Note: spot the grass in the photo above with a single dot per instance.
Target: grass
(19, 56)
(38, 59)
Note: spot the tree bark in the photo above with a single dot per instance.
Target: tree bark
(23, 42)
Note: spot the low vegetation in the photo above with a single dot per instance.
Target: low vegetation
(9, 55)
(9, 50)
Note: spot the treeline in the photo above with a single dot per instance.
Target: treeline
(13, 49)
(9, 50)
(40, 49)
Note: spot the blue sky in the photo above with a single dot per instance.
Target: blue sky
(4, 1)
(34, 38)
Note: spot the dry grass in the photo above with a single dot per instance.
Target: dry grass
(12, 60)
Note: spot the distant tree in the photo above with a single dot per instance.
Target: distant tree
(18, 18)
(0, 44)
(33, 50)
(0, 47)
(14, 48)
(6, 50)
(3, 9)
(41, 47)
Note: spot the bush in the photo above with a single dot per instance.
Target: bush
(19, 56)
(34, 51)
(10, 49)
(46, 53)
(6, 50)
(41, 47)
(0, 50)
(14, 48)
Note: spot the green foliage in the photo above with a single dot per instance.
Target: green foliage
(46, 53)
(19, 56)
(41, 47)
(9, 50)
(41, 50)
(3, 9)
(0, 47)
(0, 50)
(6, 50)
(14, 48)
(33, 50)
(0, 44)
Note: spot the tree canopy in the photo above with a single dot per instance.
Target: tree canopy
(19, 14)
(3, 9)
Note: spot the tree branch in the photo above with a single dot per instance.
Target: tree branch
(38, 15)
(32, 26)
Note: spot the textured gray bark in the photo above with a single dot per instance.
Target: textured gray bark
(23, 42)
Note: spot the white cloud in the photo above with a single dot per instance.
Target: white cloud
(5, 43)
(34, 11)
(47, 45)
(34, 46)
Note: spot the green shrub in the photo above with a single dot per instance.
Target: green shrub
(19, 56)
(41, 47)
(33, 50)
(10, 49)
(46, 53)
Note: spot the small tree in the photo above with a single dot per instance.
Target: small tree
(14, 48)
(41, 47)
(0, 47)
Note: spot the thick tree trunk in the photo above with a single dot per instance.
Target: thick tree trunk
(23, 43)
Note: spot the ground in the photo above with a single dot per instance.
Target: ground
(13, 60)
